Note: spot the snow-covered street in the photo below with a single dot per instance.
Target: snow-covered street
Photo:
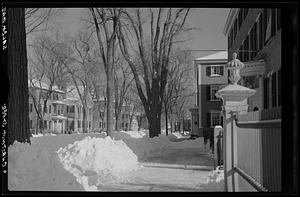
(129, 162)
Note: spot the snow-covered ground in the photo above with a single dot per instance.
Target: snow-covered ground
(95, 162)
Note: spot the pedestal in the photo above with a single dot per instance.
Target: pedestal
(234, 102)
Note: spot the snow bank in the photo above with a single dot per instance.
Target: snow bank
(215, 176)
(96, 160)
(33, 168)
(144, 147)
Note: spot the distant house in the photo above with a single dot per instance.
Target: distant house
(63, 113)
(127, 119)
(210, 75)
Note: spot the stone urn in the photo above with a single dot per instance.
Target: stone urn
(234, 67)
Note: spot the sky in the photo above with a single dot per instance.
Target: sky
(209, 21)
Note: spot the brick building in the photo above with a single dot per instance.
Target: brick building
(210, 76)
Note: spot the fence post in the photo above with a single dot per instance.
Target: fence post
(234, 102)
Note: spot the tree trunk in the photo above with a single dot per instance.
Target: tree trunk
(84, 118)
(117, 122)
(154, 116)
(166, 114)
(109, 107)
(18, 116)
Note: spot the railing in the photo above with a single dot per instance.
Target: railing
(258, 139)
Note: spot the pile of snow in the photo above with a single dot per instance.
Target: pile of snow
(34, 168)
(144, 147)
(37, 135)
(215, 176)
(96, 160)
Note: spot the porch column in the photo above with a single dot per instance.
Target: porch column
(234, 102)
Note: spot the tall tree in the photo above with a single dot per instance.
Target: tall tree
(18, 117)
(38, 19)
(84, 61)
(106, 22)
(164, 27)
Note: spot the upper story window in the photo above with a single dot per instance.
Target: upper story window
(215, 70)
(211, 93)
(55, 96)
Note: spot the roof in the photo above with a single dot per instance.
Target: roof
(43, 85)
(216, 56)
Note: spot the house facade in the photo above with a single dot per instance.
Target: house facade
(255, 34)
(62, 115)
(211, 75)
(127, 119)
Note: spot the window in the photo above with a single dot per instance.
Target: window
(45, 124)
(100, 124)
(274, 89)
(235, 29)
(240, 18)
(67, 109)
(30, 124)
(213, 91)
(268, 23)
(90, 125)
(126, 126)
(215, 119)
(58, 110)
(79, 124)
(55, 96)
(278, 17)
(123, 125)
(245, 12)
(71, 109)
(273, 23)
(215, 70)
(50, 109)
(246, 53)
(30, 107)
(101, 114)
(266, 93)
(49, 124)
(261, 34)
(251, 82)
(46, 109)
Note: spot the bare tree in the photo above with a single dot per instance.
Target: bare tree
(84, 61)
(179, 85)
(106, 22)
(18, 117)
(163, 32)
(47, 67)
(123, 81)
(98, 93)
(37, 19)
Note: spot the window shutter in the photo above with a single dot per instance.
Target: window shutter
(279, 87)
(222, 70)
(208, 69)
(274, 90)
(208, 92)
(208, 119)
(266, 93)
